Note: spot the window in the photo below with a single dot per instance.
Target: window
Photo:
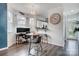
(32, 24)
(21, 21)
(10, 22)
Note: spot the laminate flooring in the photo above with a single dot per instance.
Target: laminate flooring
(22, 50)
(71, 48)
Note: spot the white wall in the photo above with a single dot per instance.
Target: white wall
(56, 31)
(11, 35)
(11, 39)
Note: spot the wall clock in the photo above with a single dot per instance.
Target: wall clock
(55, 18)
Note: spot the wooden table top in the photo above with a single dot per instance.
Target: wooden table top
(32, 34)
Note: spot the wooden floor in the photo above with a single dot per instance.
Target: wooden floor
(71, 48)
(22, 50)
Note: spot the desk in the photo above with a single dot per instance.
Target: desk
(32, 35)
(21, 35)
(44, 39)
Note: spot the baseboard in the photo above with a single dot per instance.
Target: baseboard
(56, 44)
(12, 45)
(3, 48)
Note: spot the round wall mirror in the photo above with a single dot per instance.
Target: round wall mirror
(55, 18)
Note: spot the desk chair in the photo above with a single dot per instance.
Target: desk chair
(36, 40)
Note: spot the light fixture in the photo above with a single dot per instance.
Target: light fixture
(22, 18)
(72, 10)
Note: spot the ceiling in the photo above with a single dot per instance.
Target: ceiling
(43, 8)
(71, 8)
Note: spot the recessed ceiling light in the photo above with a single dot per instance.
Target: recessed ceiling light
(72, 10)
(22, 18)
(74, 18)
